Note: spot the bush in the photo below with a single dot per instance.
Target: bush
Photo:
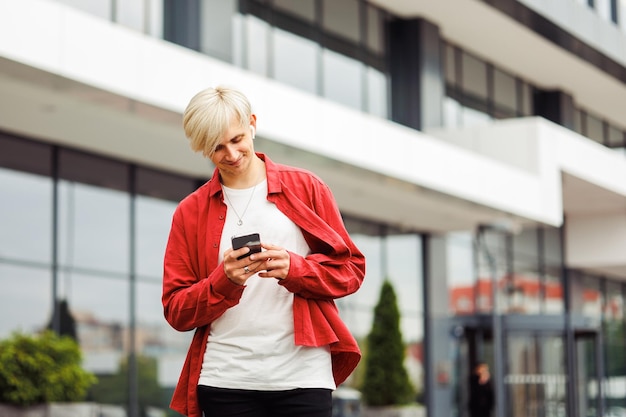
(41, 369)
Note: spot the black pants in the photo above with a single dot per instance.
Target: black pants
(301, 402)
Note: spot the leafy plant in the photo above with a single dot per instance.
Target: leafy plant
(386, 381)
(42, 368)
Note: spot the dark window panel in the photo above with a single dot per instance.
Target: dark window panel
(25, 155)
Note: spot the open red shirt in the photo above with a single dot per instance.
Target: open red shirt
(196, 290)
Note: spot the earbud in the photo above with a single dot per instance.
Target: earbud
(253, 131)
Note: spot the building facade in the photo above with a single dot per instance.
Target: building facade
(476, 149)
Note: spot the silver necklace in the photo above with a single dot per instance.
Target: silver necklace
(240, 221)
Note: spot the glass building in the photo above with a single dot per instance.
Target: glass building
(476, 150)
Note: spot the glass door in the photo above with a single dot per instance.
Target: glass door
(535, 377)
(587, 387)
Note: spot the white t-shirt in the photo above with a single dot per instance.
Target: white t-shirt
(251, 346)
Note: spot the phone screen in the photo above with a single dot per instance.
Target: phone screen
(253, 241)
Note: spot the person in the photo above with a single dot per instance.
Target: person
(481, 391)
(268, 338)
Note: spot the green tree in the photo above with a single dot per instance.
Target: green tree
(386, 381)
(43, 368)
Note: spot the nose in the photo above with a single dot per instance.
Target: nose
(231, 153)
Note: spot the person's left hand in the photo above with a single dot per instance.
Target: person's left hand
(274, 260)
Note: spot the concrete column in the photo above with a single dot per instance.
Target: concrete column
(437, 363)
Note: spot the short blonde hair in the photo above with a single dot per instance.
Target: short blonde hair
(210, 113)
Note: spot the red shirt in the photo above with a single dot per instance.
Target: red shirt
(196, 290)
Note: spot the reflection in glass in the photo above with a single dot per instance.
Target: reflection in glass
(131, 13)
(524, 388)
(461, 273)
(26, 307)
(295, 60)
(152, 227)
(100, 307)
(216, 30)
(474, 77)
(452, 111)
(342, 79)
(377, 94)
(615, 346)
(93, 228)
(404, 270)
(342, 18)
(25, 217)
(523, 291)
(356, 309)
(257, 48)
(304, 9)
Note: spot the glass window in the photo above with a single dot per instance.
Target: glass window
(523, 386)
(491, 258)
(100, 306)
(621, 14)
(154, 218)
(24, 155)
(594, 129)
(131, 13)
(25, 217)
(342, 79)
(404, 271)
(452, 112)
(155, 18)
(578, 121)
(616, 138)
(357, 309)
(586, 297)
(375, 30)
(474, 79)
(527, 99)
(256, 48)
(377, 94)
(216, 30)
(450, 65)
(553, 385)
(304, 9)
(505, 92)
(295, 60)
(523, 288)
(462, 287)
(553, 273)
(93, 229)
(342, 18)
(471, 117)
(604, 9)
(615, 346)
(26, 307)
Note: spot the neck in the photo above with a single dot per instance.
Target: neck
(251, 177)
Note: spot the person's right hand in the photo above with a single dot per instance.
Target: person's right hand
(239, 270)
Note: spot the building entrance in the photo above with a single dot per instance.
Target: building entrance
(534, 378)
(586, 375)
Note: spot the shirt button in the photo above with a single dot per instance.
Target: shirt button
(215, 245)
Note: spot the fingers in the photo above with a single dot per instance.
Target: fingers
(275, 261)
(272, 262)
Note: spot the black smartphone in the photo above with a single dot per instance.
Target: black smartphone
(253, 241)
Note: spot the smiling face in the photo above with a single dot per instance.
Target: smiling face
(234, 154)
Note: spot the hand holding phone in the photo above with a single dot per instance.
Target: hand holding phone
(252, 241)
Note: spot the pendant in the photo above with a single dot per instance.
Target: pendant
(240, 222)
